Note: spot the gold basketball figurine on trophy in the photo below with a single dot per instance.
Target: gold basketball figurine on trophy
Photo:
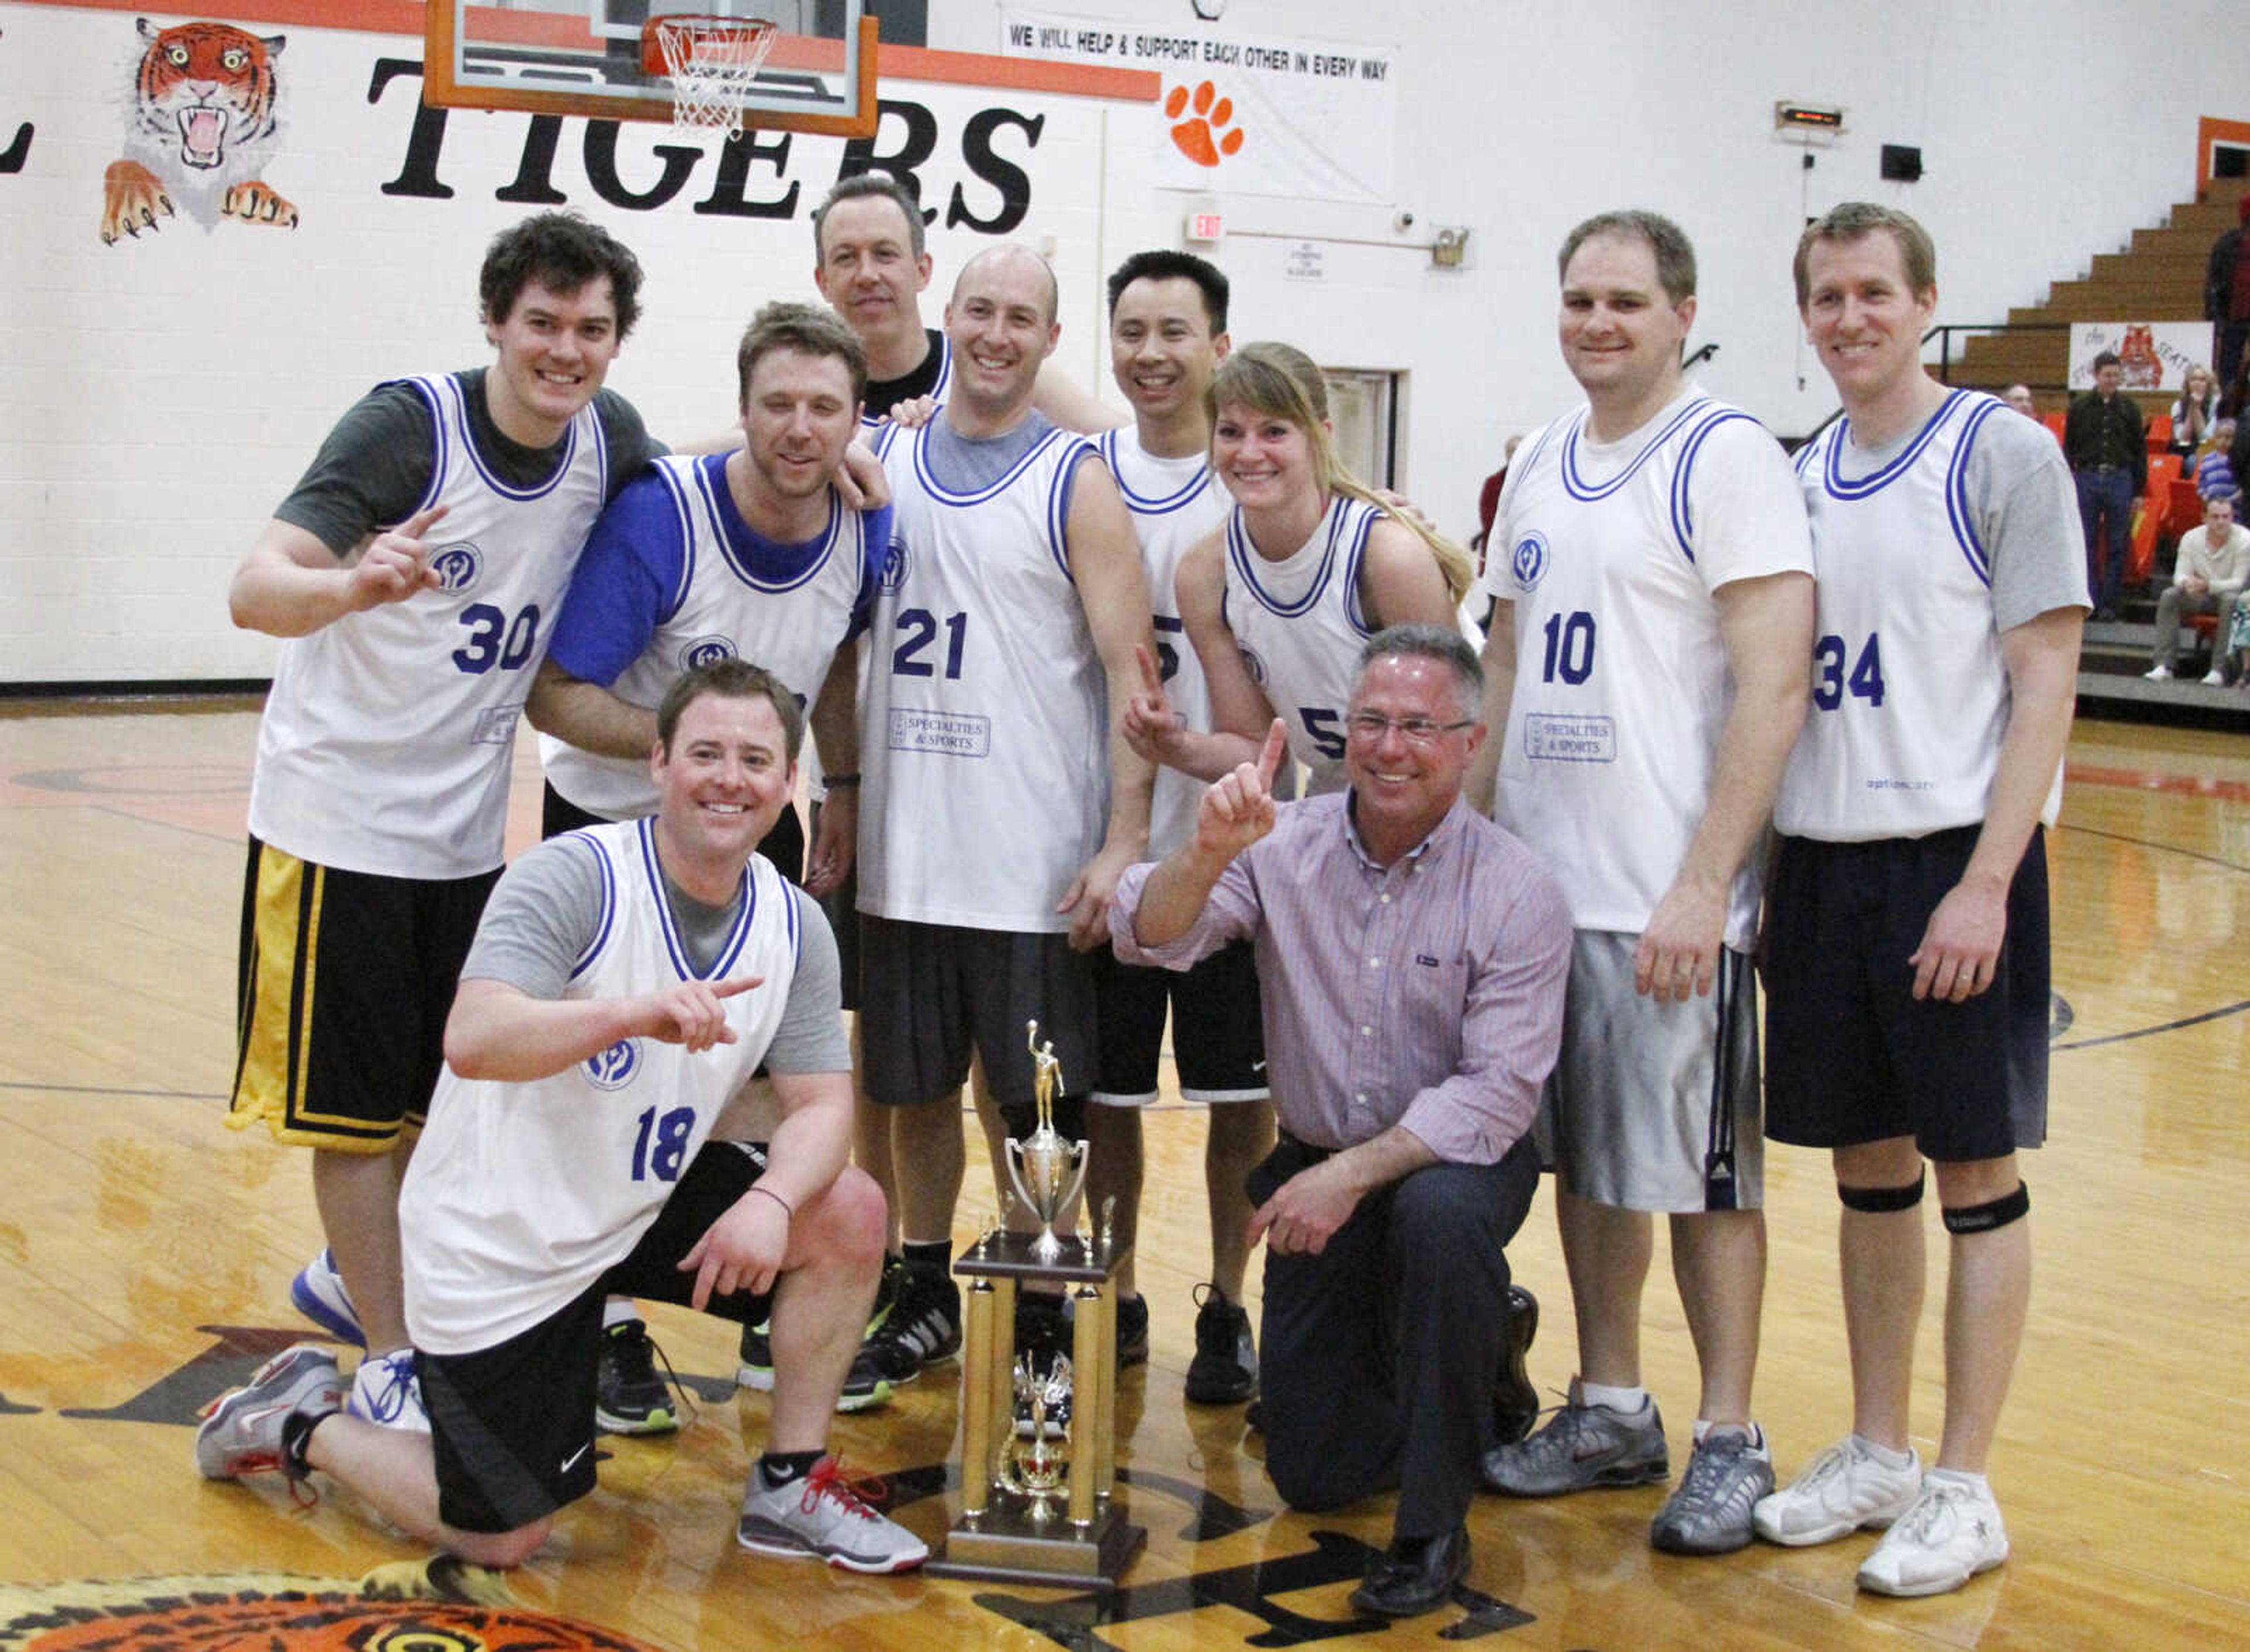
(1047, 1170)
(1039, 1496)
(1035, 1462)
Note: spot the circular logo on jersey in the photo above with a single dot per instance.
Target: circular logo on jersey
(894, 566)
(1257, 666)
(705, 650)
(289, 1613)
(613, 1069)
(1528, 562)
(458, 565)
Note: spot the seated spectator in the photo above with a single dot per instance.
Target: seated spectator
(2214, 469)
(2018, 396)
(2214, 563)
(2194, 411)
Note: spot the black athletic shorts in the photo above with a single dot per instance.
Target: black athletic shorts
(513, 1425)
(345, 979)
(1851, 1056)
(932, 993)
(1218, 1044)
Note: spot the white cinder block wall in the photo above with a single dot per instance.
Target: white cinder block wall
(159, 395)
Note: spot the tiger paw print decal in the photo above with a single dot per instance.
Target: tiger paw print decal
(1208, 133)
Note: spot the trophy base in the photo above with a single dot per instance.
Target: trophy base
(1006, 1544)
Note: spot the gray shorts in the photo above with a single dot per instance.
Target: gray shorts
(1654, 1106)
(931, 994)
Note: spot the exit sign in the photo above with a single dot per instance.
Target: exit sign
(1205, 226)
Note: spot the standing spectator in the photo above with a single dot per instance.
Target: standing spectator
(2194, 411)
(2227, 296)
(2107, 450)
(2214, 564)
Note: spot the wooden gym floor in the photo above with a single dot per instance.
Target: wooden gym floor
(145, 1253)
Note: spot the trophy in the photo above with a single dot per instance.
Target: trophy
(1047, 1171)
(1039, 1502)
(1035, 1463)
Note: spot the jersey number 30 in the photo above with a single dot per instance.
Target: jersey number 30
(1830, 684)
(494, 639)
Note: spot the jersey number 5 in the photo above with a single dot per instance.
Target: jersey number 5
(1830, 684)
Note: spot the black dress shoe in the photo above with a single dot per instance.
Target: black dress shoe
(1514, 1401)
(1414, 1575)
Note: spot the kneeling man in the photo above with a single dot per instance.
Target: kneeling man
(624, 982)
(1412, 957)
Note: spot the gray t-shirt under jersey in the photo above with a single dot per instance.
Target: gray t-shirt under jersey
(2022, 501)
(544, 913)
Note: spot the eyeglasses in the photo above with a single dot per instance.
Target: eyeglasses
(1417, 731)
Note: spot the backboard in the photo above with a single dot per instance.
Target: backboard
(586, 58)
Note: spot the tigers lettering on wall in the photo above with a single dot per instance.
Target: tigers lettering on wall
(201, 124)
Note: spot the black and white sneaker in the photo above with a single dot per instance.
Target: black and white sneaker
(630, 1398)
(923, 1328)
(1225, 1369)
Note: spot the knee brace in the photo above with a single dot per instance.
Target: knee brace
(1998, 1213)
(1877, 1202)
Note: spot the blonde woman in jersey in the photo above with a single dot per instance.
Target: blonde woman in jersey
(1309, 564)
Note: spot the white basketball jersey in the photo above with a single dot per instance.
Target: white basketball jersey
(1610, 553)
(1175, 503)
(387, 737)
(986, 741)
(521, 1196)
(1299, 624)
(723, 608)
(1910, 695)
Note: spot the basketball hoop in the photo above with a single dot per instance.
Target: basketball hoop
(711, 62)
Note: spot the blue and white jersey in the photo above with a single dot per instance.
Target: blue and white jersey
(1300, 625)
(1176, 503)
(528, 1193)
(985, 743)
(672, 577)
(1925, 547)
(1610, 552)
(387, 735)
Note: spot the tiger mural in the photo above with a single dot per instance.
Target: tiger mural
(200, 130)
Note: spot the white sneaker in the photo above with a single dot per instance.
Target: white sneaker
(2158, 674)
(2214, 680)
(1952, 1532)
(387, 1390)
(1843, 1491)
(826, 1516)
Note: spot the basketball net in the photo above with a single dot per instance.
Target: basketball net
(711, 62)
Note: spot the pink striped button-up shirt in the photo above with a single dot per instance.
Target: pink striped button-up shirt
(1426, 994)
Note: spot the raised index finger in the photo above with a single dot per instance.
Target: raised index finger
(739, 984)
(1151, 678)
(1269, 757)
(419, 524)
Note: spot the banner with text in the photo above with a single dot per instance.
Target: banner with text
(1263, 115)
(2155, 355)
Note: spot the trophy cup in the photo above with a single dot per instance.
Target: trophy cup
(1039, 1500)
(1047, 1171)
